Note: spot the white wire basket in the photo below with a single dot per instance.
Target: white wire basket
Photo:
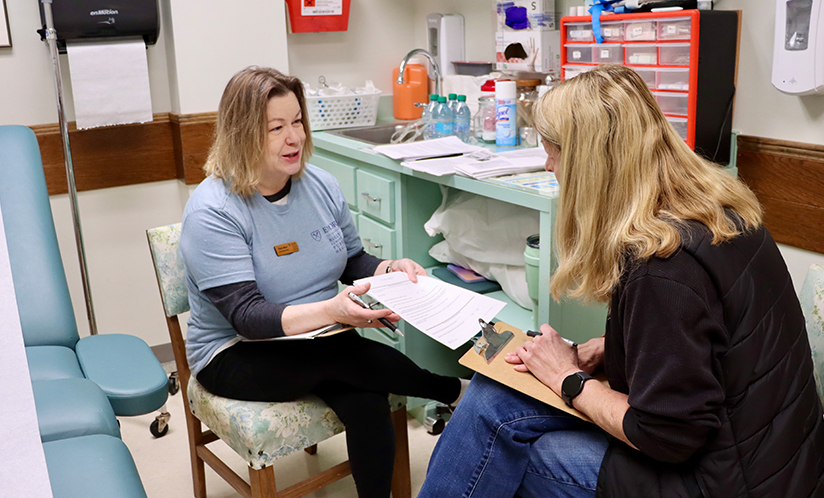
(342, 111)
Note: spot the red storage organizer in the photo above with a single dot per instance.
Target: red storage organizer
(300, 23)
(687, 58)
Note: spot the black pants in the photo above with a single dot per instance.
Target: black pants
(351, 374)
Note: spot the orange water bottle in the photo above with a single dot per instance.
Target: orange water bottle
(415, 88)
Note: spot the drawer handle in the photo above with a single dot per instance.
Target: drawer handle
(369, 243)
(369, 198)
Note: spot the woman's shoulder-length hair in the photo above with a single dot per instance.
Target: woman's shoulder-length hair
(627, 181)
(241, 128)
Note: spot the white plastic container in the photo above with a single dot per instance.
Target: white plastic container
(676, 103)
(674, 29)
(579, 53)
(640, 54)
(603, 53)
(506, 129)
(342, 111)
(672, 78)
(674, 54)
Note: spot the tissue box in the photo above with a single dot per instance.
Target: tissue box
(511, 46)
(526, 38)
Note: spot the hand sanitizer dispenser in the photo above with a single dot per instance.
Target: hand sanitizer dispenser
(798, 56)
(445, 36)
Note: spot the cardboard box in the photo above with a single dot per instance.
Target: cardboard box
(526, 37)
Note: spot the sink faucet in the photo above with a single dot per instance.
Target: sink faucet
(432, 62)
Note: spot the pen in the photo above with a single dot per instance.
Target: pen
(532, 333)
(354, 297)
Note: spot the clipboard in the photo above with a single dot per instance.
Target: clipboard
(503, 372)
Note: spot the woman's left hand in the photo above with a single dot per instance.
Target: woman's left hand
(408, 266)
(547, 356)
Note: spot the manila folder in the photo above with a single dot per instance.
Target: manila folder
(503, 372)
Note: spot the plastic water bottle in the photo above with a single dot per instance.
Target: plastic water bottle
(443, 119)
(462, 119)
(428, 117)
(506, 128)
(453, 103)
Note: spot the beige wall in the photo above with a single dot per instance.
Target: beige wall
(201, 46)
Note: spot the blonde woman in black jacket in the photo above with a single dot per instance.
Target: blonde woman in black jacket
(711, 380)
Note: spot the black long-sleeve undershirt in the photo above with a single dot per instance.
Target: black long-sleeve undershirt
(253, 317)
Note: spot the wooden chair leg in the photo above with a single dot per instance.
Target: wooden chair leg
(401, 480)
(262, 482)
(195, 433)
(311, 449)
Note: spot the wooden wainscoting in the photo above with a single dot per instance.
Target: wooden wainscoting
(166, 148)
(788, 178)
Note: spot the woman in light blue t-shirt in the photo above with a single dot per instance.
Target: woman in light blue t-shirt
(266, 238)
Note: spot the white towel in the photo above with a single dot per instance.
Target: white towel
(110, 83)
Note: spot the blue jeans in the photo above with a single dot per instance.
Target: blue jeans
(500, 443)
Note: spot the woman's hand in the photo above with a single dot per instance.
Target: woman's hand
(343, 309)
(548, 357)
(406, 265)
(591, 354)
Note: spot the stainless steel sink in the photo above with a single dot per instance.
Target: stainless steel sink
(375, 135)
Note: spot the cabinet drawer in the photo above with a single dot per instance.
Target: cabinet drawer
(376, 196)
(344, 173)
(383, 338)
(377, 239)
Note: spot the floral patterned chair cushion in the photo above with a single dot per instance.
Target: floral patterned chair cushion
(260, 432)
(812, 303)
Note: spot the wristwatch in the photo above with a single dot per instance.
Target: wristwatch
(572, 386)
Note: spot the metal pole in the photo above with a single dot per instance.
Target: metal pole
(51, 39)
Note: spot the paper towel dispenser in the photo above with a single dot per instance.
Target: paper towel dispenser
(99, 19)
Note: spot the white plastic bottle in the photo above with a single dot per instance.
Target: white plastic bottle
(443, 119)
(506, 129)
(462, 119)
(427, 117)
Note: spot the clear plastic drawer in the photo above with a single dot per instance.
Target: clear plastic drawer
(640, 54)
(639, 31)
(571, 70)
(674, 29)
(647, 74)
(608, 52)
(674, 54)
(579, 53)
(612, 31)
(670, 78)
(579, 32)
(672, 102)
(680, 125)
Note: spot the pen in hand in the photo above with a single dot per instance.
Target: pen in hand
(354, 297)
(532, 333)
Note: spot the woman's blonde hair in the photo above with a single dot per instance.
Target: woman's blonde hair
(627, 180)
(241, 130)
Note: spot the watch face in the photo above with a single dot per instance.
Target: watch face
(572, 385)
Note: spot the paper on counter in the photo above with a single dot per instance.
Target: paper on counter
(437, 147)
(110, 83)
(445, 312)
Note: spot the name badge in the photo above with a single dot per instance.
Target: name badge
(288, 248)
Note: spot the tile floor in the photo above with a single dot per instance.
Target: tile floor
(164, 468)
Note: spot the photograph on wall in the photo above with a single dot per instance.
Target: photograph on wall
(5, 32)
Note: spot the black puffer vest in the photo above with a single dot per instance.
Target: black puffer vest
(771, 440)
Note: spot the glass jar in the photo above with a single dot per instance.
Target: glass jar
(484, 120)
(527, 96)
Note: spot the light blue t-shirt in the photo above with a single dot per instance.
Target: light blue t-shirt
(226, 238)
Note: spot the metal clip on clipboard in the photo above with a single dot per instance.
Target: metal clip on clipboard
(491, 341)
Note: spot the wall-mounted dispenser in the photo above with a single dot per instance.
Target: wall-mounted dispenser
(798, 55)
(445, 36)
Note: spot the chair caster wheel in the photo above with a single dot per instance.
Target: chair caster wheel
(434, 425)
(174, 383)
(156, 429)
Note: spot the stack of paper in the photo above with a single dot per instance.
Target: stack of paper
(439, 147)
(506, 163)
(542, 181)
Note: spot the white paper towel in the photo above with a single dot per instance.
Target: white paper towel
(110, 83)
